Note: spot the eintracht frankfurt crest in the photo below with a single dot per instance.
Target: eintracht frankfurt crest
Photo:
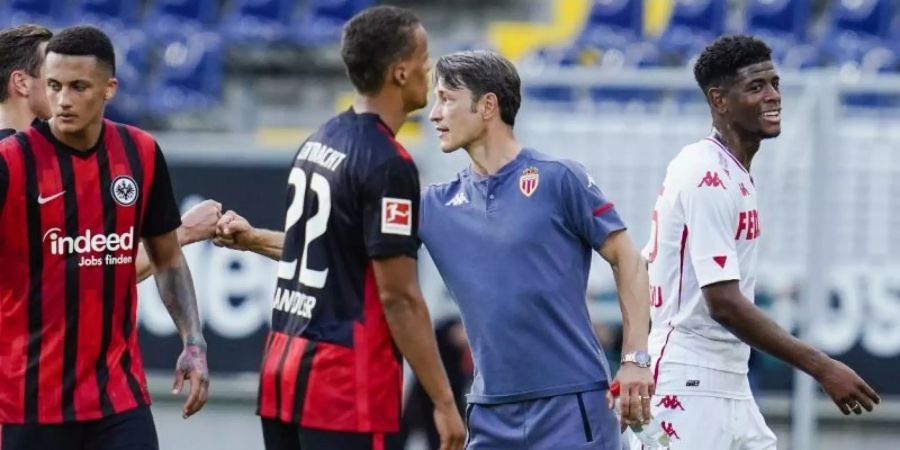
(528, 182)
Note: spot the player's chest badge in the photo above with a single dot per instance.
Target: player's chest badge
(528, 182)
(124, 190)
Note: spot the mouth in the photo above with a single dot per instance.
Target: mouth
(772, 116)
(442, 131)
(66, 117)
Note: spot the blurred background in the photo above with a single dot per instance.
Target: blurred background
(231, 87)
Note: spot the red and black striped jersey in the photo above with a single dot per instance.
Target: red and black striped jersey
(70, 222)
(330, 362)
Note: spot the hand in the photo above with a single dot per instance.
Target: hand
(199, 223)
(636, 389)
(233, 231)
(847, 390)
(450, 427)
(191, 366)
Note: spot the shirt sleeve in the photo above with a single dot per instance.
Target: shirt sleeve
(588, 213)
(4, 181)
(709, 215)
(391, 195)
(162, 214)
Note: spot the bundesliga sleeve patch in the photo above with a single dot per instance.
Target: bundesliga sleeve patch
(396, 216)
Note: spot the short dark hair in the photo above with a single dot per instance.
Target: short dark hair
(85, 40)
(482, 72)
(720, 62)
(373, 40)
(19, 50)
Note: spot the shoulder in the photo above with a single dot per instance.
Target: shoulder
(441, 193)
(559, 170)
(693, 161)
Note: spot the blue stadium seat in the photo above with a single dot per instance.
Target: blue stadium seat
(191, 74)
(167, 18)
(612, 24)
(259, 20)
(321, 21)
(132, 66)
(48, 13)
(783, 25)
(855, 28)
(694, 25)
(108, 14)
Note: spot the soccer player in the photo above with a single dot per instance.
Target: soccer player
(513, 236)
(702, 258)
(347, 291)
(23, 102)
(76, 192)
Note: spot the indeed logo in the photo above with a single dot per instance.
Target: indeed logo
(88, 242)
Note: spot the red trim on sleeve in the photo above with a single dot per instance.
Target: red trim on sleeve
(603, 209)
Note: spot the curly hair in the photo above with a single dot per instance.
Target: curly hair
(373, 40)
(720, 61)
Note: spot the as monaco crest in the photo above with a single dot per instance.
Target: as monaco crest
(528, 182)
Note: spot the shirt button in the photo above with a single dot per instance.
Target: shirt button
(491, 196)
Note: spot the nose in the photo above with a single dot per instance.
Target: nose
(63, 99)
(772, 95)
(435, 114)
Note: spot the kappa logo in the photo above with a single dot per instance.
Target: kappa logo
(458, 199)
(669, 429)
(744, 191)
(528, 182)
(396, 217)
(711, 179)
(124, 190)
(671, 402)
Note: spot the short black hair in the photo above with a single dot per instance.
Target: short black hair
(720, 62)
(482, 72)
(19, 50)
(85, 40)
(373, 40)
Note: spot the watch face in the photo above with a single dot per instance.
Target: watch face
(643, 359)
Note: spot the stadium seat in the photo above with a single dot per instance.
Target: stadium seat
(167, 18)
(259, 20)
(321, 21)
(612, 24)
(783, 25)
(693, 25)
(191, 74)
(49, 13)
(854, 28)
(108, 14)
(132, 67)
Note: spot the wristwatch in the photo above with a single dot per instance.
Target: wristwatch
(638, 358)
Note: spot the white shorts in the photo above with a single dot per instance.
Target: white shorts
(723, 419)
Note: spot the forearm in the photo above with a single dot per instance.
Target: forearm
(634, 301)
(417, 343)
(268, 243)
(144, 267)
(752, 326)
(176, 289)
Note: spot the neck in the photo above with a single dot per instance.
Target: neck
(84, 140)
(385, 106)
(15, 114)
(741, 144)
(493, 150)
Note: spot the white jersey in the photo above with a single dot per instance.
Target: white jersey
(705, 229)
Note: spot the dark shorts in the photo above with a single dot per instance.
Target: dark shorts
(285, 436)
(565, 422)
(130, 430)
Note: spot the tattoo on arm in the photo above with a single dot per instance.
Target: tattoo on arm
(176, 289)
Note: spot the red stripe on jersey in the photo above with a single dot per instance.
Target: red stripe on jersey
(54, 281)
(661, 353)
(13, 310)
(146, 147)
(91, 309)
(289, 377)
(357, 389)
(377, 441)
(267, 407)
(120, 392)
(397, 145)
(603, 209)
(684, 237)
